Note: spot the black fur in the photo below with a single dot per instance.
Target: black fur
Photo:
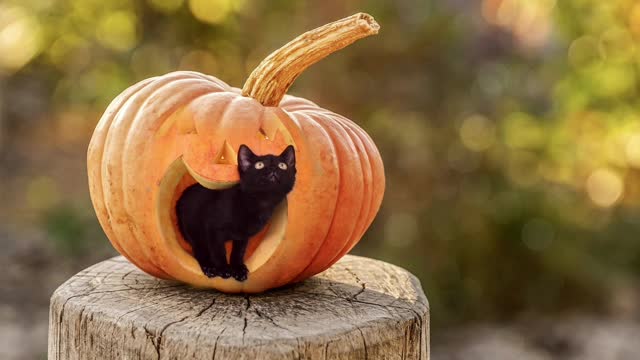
(208, 218)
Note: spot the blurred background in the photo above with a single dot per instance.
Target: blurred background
(510, 132)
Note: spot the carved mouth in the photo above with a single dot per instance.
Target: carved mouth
(178, 177)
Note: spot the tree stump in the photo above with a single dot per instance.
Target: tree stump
(358, 309)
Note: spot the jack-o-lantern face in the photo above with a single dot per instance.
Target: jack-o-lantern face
(166, 133)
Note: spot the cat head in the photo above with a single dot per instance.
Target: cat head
(267, 173)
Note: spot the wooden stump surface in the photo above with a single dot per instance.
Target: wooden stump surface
(358, 309)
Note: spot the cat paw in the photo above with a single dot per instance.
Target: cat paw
(213, 271)
(209, 271)
(239, 272)
(224, 273)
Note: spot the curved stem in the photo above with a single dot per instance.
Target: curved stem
(269, 82)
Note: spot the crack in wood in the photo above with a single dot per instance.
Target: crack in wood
(364, 343)
(161, 335)
(215, 346)
(269, 318)
(360, 282)
(213, 302)
(324, 317)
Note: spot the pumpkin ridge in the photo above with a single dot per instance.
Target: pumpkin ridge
(96, 146)
(219, 82)
(342, 148)
(363, 214)
(107, 173)
(123, 124)
(137, 151)
(201, 86)
(227, 110)
(377, 169)
(316, 238)
(167, 125)
(292, 102)
(158, 120)
(309, 122)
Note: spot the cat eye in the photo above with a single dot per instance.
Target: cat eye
(259, 165)
(282, 166)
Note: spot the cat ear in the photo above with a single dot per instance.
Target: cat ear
(245, 157)
(289, 156)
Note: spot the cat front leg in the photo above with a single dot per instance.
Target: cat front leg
(201, 253)
(218, 254)
(239, 270)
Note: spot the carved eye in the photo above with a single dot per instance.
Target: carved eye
(282, 166)
(259, 165)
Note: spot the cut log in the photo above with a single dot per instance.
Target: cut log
(358, 309)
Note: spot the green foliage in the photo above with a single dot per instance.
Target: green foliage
(75, 232)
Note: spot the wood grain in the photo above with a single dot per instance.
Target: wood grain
(358, 309)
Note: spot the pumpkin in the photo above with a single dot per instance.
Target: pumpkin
(165, 133)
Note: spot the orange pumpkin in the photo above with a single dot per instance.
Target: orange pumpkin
(163, 134)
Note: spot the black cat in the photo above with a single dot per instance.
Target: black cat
(208, 218)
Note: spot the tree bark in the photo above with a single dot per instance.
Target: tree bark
(358, 309)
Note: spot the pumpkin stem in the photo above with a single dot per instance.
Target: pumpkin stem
(269, 82)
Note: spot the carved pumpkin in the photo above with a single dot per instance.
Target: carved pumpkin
(163, 134)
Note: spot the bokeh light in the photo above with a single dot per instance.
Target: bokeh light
(604, 187)
(118, 30)
(633, 150)
(634, 19)
(477, 133)
(211, 11)
(584, 51)
(529, 21)
(20, 37)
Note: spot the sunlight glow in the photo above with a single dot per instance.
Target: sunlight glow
(529, 21)
(117, 30)
(633, 151)
(20, 38)
(604, 187)
(211, 11)
(634, 19)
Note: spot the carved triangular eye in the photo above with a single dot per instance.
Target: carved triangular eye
(269, 127)
(226, 155)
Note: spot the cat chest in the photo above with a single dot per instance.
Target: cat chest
(249, 225)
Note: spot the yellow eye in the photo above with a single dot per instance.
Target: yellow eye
(282, 166)
(259, 165)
